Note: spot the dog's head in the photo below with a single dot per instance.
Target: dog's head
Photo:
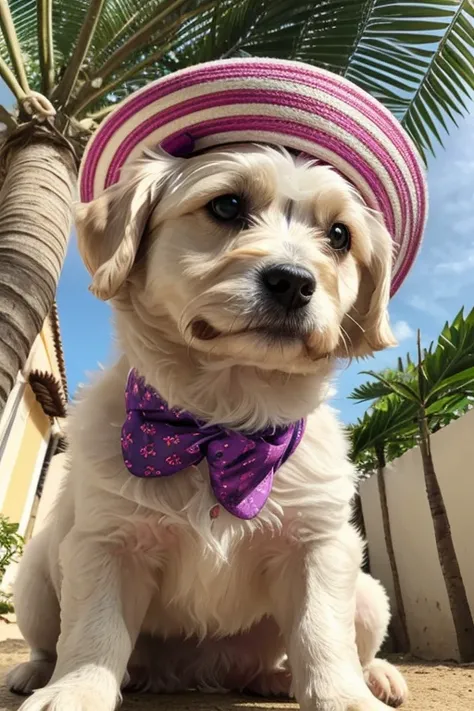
(245, 254)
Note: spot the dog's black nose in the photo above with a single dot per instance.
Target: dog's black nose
(289, 285)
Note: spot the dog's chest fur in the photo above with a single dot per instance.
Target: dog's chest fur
(199, 590)
(208, 573)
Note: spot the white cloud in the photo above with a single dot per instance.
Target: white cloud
(463, 167)
(428, 306)
(402, 331)
(443, 275)
(456, 207)
(464, 225)
(458, 266)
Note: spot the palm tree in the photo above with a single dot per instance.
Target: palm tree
(437, 389)
(68, 63)
(395, 437)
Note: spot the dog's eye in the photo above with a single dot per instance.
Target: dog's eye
(340, 237)
(226, 208)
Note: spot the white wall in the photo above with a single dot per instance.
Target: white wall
(429, 620)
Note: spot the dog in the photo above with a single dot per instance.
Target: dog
(239, 278)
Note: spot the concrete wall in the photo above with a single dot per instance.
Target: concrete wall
(429, 620)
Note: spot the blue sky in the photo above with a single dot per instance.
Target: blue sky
(441, 281)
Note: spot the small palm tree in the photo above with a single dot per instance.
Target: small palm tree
(69, 62)
(392, 435)
(438, 388)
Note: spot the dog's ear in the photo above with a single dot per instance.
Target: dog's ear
(368, 325)
(109, 228)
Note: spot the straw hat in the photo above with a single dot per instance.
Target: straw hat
(281, 103)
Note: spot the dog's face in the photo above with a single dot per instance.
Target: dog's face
(247, 254)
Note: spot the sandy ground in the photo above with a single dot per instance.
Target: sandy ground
(433, 688)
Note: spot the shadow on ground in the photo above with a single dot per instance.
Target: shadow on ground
(433, 687)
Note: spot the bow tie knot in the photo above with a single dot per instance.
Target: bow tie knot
(161, 441)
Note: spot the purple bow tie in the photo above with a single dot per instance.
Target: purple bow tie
(159, 441)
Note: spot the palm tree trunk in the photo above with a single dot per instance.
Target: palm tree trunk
(459, 604)
(399, 620)
(357, 520)
(39, 176)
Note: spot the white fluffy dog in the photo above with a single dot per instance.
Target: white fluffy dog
(238, 278)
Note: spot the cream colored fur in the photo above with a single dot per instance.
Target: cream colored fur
(140, 573)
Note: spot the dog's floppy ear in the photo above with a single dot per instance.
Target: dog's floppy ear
(109, 228)
(368, 326)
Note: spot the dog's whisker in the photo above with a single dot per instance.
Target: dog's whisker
(346, 341)
(355, 323)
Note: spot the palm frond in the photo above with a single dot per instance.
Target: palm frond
(224, 28)
(81, 48)
(369, 391)
(11, 47)
(401, 382)
(417, 57)
(331, 35)
(448, 366)
(46, 45)
(68, 19)
(23, 13)
(396, 421)
(148, 38)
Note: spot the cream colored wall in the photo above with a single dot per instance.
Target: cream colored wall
(453, 452)
(26, 467)
(429, 618)
(20, 466)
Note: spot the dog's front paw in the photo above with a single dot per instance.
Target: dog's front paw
(386, 683)
(67, 696)
(30, 676)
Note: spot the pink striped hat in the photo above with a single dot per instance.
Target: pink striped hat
(278, 102)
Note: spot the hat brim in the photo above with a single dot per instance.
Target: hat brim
(282, 103)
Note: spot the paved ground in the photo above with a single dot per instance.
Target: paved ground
(433, 688)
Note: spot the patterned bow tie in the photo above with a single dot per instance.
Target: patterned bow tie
(159, 441)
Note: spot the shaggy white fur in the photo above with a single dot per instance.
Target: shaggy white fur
(133, 583)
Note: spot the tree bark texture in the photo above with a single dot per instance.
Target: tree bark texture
(459, 604)
(39, 177)
(357, 520)
(399, 620)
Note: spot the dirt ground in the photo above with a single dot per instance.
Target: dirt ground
(433, 688)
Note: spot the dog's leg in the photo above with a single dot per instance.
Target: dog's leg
(371, 622)
(37, 613)
(313, 597)
(372, 618)
(104, 598)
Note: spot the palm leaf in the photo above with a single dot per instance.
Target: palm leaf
(396, 421)
(24, 18)
(280, 28)
(401, 381)
(417, 57)
(67, 22)
(136, 52)
(448, 367)
(257, 27)
(370, 391)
